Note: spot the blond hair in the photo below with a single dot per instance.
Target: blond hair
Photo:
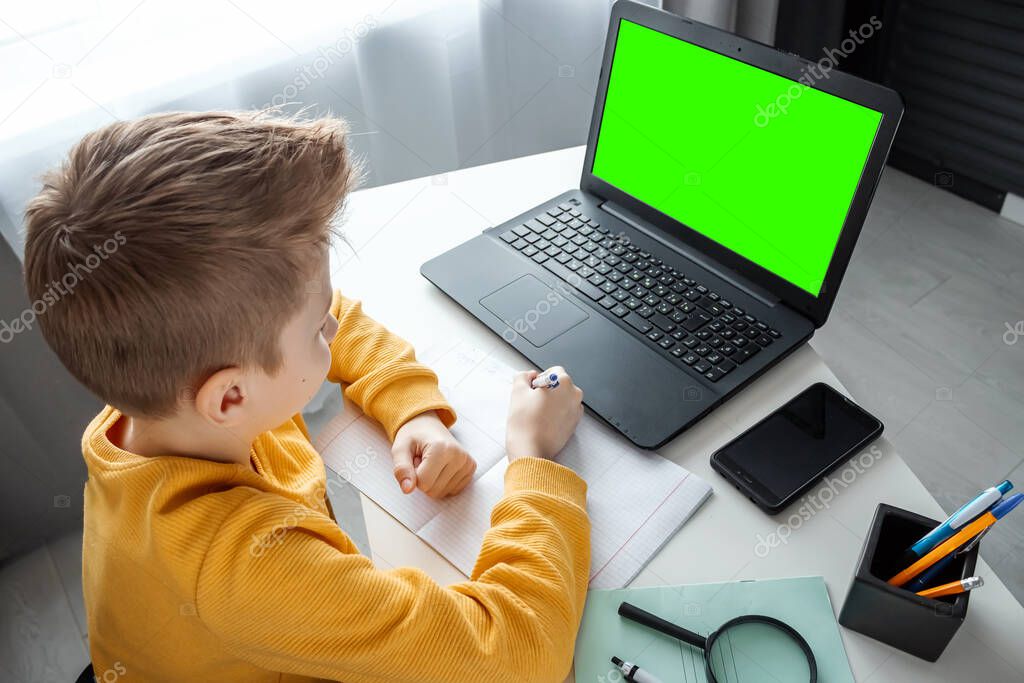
(191, 239)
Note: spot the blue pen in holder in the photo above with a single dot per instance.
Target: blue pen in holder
(919, 626)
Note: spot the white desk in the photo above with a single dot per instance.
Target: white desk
(399, 226)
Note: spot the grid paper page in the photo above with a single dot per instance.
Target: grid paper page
(626, 529)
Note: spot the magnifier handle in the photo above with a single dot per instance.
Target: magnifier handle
(634, 613)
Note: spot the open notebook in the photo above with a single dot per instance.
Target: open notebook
(636, 499)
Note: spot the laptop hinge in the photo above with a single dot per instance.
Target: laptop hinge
(727, 274)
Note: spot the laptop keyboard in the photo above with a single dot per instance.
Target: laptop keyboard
(671, 311)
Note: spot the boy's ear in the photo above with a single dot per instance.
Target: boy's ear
(222, 398)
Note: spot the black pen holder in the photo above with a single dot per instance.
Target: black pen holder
(919, 626)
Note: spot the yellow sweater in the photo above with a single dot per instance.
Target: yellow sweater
(204, 571)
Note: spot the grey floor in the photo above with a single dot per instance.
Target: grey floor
(919, 335)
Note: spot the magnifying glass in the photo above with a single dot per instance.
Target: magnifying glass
(752, 647)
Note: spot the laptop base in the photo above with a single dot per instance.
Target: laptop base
(647, 395)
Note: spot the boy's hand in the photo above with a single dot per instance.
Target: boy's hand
(426, 455)
(540, 421)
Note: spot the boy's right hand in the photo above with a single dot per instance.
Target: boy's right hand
(540, 421)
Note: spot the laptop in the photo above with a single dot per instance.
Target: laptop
(724, 187)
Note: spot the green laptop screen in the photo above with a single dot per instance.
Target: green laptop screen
(761, 164)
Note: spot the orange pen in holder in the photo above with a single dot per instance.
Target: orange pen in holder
(953, 587)
(951, 544)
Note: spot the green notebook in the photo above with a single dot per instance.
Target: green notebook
(802, 602)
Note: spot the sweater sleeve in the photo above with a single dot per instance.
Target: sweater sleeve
(307, 603)
(381, 371)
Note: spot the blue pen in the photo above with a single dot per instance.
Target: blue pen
(972, 529)
(958, 520)
(542, 382)
(921, 581)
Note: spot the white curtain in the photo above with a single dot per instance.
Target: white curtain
(750, 18)
(428, 86)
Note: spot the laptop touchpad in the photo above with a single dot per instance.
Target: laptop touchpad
(533, 310)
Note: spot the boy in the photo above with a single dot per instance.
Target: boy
(201, 312)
